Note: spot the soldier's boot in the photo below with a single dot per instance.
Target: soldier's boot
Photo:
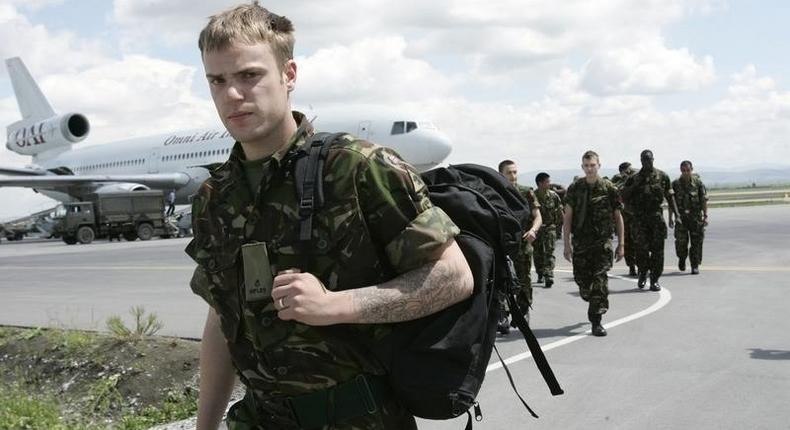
(654, 285)
(642, 280)
(540, 279)
(682, 264)
(549, 283)
(694, 270)
(597, 328)
(631, 270)
(503, 327)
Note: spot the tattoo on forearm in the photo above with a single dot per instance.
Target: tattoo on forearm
(412, 295)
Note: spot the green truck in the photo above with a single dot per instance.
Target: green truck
(131, 215)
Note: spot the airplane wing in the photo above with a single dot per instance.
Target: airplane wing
(51, 181)
(17, 171)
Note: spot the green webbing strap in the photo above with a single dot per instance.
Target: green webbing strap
(357, 397)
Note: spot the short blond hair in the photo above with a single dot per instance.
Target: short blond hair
(589, 155)
(249, 24)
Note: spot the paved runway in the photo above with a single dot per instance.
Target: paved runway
(709, 352)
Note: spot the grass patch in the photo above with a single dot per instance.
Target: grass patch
(21, 410)
(144, 325)
(64, 379)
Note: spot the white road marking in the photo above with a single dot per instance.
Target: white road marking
(664, 296)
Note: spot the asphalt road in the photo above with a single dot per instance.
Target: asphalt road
(708, 352)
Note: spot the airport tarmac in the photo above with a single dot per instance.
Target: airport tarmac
(707, 352)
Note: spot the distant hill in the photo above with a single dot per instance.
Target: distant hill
(774, 175)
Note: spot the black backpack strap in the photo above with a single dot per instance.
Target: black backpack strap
(534, 347)
(308, 173)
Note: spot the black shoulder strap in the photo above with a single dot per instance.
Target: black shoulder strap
(308, 172)
(534, 346)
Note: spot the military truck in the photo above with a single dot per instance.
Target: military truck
(135, 214)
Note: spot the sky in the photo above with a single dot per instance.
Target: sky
(536, 81)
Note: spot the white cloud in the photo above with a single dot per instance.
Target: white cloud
(43, 51)
(647, 68)
(368, 71)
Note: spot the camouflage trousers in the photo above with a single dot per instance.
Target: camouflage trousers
(244, 415)
(591, 262)
(650, 232)
(630, 250)
(691, 230)
(544, 251)
(523, 269)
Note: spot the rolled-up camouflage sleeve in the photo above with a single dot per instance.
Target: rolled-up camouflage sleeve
(399, 216)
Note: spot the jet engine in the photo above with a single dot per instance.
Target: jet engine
(41, 136)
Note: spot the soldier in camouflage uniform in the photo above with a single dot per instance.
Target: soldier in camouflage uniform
(692, 201)
(293, 319)
(551, 214)
(592, 215)
(531, 225)
(645, 191)
(628, 217)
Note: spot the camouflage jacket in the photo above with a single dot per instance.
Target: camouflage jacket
(532, 202)
(690, 196)
(619, 181)
(377, 222)
(648, 190)
(593, 206)
(550, 207)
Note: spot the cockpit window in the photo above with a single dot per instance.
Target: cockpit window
(397, 127)
(400, 127)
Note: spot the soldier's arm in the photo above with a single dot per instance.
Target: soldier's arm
(411, 295)
(537, 221)
(414, 294)
(669, 194)
(703, 195)
(217, 376)
(417, 240)
(567, 219)
(620, 231)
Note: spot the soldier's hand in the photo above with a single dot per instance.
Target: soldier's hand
(568, 252)
(671, 223)
(618, 255)
(302, 297)
(530, 236)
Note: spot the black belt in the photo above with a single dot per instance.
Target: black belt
(359, 396)
(362, 395)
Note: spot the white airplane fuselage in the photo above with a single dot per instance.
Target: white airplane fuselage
(191, 151)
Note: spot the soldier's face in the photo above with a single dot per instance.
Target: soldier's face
(544, 184)
(510, 173)
(686, 171)
(249, 91)
(647, 160)
(590, 167)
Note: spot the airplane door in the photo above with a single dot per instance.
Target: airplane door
(153, 162)
(363, 131)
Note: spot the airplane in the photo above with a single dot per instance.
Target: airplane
(64, 171)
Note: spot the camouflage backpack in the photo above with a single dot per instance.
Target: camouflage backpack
(436, 364)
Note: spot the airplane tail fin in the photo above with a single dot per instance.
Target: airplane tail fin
(41, 130)
(31, 101)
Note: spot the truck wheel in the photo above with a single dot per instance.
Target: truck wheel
(85, 235)
(70, 240)
(130, 236)
(145, 231)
